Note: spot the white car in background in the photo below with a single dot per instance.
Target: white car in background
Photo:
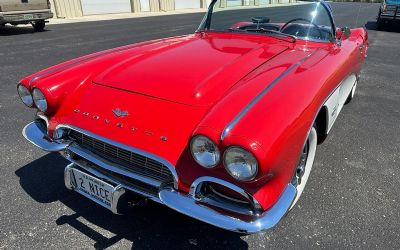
(34, 12)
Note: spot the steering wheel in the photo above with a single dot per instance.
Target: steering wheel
(301, 19)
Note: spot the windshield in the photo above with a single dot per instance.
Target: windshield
(301, 20)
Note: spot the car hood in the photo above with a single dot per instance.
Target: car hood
(167, 87)
(193, 70)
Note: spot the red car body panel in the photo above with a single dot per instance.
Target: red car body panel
(166, 98)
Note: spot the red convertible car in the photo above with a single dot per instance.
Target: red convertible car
(221, 125)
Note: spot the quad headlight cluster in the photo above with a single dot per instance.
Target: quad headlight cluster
(36, 97)
(239, 163)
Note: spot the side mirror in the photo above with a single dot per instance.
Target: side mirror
(343, 33)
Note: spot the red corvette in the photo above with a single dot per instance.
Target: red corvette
(221, 125)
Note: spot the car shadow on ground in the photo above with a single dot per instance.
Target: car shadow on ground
(147, 226)
(388, 27)
(17, 30)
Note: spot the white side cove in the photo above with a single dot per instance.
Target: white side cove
(336, 101)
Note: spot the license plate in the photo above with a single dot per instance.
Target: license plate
(28, 16)
(93, 188)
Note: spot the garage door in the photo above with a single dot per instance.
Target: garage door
(187, 4)
(92, 7)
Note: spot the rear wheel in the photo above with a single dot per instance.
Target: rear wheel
(38, 26)
(305, 164)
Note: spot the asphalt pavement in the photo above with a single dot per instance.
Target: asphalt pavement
(351, 199)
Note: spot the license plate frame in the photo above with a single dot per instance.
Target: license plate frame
(93, 188)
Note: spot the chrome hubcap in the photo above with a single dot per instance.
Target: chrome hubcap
(301, 167)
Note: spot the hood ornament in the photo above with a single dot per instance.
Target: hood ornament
(120, 113)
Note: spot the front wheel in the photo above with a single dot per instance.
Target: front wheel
(305, 164)
(38, 26)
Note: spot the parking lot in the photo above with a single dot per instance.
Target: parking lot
(351, 199)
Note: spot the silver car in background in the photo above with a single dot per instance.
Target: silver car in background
(34, 12)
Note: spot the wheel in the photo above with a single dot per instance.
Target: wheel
(38, 26)
(351, 95)
(305, 164)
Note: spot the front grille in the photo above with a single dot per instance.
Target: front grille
(130, 161)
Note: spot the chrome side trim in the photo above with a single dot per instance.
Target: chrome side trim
(36, 134)
(197, 184)
(185, 204)
(246, 109)
(128, 148)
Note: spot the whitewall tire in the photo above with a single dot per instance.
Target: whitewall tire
(352, 93)
(305, 164)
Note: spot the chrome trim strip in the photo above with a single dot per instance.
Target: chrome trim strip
(197, 184)
(244, 111)
(185, 204)
(128, 148)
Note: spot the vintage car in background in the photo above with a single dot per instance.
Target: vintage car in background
(389, 11)
(34, 12)
(221, 125)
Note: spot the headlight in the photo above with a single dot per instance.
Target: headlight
(25, 95)
(240, 163)
(40, 100)
(204, 151)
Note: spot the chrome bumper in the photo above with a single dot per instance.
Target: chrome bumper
(187, 204)
(20, 17)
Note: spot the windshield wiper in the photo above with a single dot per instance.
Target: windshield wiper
(293, 38)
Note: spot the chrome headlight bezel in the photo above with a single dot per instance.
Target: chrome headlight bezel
(25, 95)
(247, 157)
(39, 99)
(211, 149)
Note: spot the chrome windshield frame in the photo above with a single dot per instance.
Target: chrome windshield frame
(206, 21)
